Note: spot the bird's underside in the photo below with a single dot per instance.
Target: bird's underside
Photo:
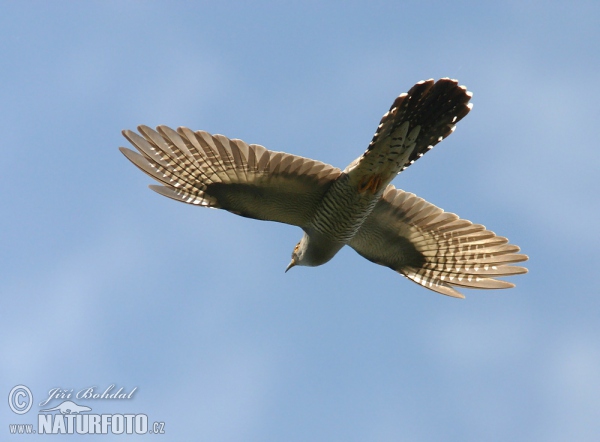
(356, 207)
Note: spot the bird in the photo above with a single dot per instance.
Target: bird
(356, 207)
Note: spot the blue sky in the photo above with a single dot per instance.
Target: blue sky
(105, 282)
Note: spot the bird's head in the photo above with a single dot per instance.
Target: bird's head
(297, 255)
(313, 250)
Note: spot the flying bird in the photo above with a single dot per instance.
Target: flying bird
(357, 207)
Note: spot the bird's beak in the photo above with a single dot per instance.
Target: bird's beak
(291, 264)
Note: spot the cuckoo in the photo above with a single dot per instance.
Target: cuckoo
(357, 207)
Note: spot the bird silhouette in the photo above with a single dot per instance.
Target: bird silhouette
(357, 207)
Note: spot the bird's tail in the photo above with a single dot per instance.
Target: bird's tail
(416, 121)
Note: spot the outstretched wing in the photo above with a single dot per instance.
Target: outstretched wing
(433, 248)
(416, 122)
(214, 171)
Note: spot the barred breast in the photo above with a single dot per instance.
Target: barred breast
(343, 210)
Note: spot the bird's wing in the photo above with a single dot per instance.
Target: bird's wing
(433, 248)
(214, 171)
(416, 122)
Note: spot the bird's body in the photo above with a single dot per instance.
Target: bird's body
(357, 207)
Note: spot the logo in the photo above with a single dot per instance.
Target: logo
(16, 402)
(68, 407)
(70, 417)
